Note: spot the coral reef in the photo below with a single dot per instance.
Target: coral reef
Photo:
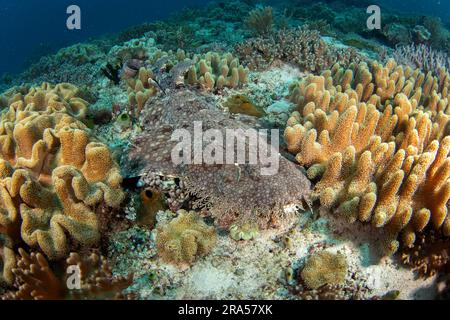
(397, 33)
(397, 29)
(185, 238)
(78, 64)
(53, 173)
(300, 46)
(367, 139)
(376, 137)
(35, 279)
(421, 57)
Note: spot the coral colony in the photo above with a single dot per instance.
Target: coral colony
(234, 151)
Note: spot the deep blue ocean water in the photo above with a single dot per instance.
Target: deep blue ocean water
(32, 28)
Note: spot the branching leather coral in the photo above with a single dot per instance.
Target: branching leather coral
(377, 139)
(215, 71)
(53, 173)
(36, 279)
(185, 238)
(140, 89)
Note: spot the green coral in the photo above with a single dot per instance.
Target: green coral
(247, 231)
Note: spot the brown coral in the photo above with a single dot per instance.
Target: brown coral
(140, 89)
(377, 138)
(36, 279)
(260, 20)
(52, 172)
(300, 46)
(185, 239)
(324, 268)
(429, 256)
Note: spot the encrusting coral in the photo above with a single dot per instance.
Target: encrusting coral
(324, 268)
(35, 279)
(53, 173)
(377, 139)
(185, 238)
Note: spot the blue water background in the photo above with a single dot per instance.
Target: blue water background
(32, 28)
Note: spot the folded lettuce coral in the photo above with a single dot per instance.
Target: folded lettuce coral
(377, 139)
(53, 173)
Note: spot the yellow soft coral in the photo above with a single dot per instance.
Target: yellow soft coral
(140, 89)
(184, 239)
(324, 268)
(377, 139)
(52, 172)
(215, 71)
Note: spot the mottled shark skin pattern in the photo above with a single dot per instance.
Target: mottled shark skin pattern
(231, 193)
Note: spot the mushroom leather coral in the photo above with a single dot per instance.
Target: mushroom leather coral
(35, 279)
(324, 268)
(377, 139)
(185, 238)
(52, 174)
(48, 99)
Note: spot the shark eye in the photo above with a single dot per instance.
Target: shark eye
(148, 194)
